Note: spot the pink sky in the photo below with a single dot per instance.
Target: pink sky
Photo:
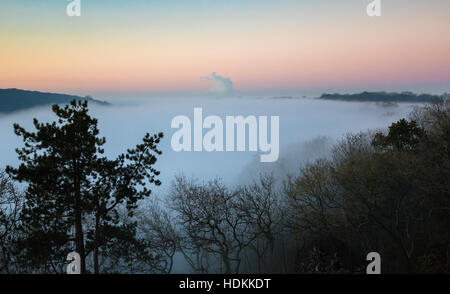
(291, 49)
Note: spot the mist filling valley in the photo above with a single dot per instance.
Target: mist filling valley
(308, 129)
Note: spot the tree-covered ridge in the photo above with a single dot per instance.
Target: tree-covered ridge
(16, 99)
(385, 97)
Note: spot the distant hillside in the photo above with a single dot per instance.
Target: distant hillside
(16, 99)
(384, 97)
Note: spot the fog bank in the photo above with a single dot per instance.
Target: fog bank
(301, 121)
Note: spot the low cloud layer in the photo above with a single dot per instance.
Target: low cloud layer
(301, 120)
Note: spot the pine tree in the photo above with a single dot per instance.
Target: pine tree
(70, 182)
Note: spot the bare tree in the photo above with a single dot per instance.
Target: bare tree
(11, 201)
(209, 215)
(155, 226)
(262, 206)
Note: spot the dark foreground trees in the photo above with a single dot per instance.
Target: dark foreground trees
(74, 194)
(385, 191)
(217, 229)
(11, 201)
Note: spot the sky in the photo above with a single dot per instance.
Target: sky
(231, 46)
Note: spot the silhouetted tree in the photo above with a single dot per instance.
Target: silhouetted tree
(71, 185)
(11, 201)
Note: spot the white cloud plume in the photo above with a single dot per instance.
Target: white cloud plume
(220, 84)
